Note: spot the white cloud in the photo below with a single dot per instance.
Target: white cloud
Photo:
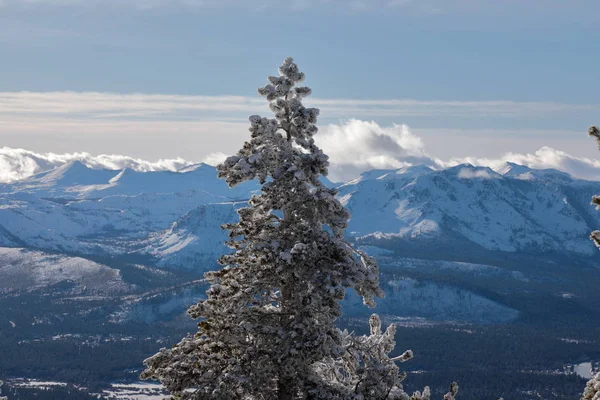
(142, 106)
(466, 173)
(193, 127)
(117, 105)
(150, 126)
(544, 158)
(356, 146)
(17, 164)
(145, 139)
(353, 147)
(214, 158)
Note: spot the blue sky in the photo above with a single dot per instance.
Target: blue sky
(472, 78)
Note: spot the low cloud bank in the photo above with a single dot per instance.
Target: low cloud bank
(357, 146)
(354, 146)
(16, 164)
(544, 158)
(466, 173)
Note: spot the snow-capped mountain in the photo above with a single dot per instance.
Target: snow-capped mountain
(171, 221)
(80, 210)
(27, 270)
(521, 210)
(196, 239)
(75, 180)
(175, 216)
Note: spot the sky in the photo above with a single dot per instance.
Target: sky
(444, 80)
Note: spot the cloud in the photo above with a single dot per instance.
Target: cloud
(353, 147)
(18, 164)
(192, 127)
(544, 158)
(357, 146)
(117, 105)
(466, 173)
(144, 139)
(102, 105)
(151, 126)
(214, 158)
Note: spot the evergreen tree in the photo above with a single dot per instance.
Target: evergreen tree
(595, 236)
(592, 390)
(267, 328)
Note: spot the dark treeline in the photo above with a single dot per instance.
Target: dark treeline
(59, 339)
(511, 361)
(519, 362)
(68, 392)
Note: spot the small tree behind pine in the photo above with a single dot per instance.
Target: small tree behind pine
(595, 235)
(592, 389)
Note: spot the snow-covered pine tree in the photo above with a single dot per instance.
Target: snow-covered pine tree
(2, 397)
(592, 389)
(595, 236)
(267, 328)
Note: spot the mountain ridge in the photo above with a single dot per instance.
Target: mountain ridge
(522, 221)
(520, 209)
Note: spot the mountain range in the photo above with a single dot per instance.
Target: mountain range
(515, 219)
(98, 266)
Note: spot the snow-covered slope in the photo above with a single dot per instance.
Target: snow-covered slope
(196, 240)
(171, 220)
(523, 210)
(433, 301)
(80, 210)
(73, 174)
(76, 180)
(26, 270)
